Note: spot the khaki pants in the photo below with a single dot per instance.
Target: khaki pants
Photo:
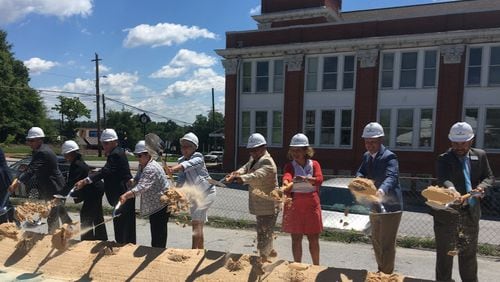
(384, 232)
(265, 228)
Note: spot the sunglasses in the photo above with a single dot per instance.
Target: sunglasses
(140, 155)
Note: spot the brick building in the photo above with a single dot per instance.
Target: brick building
(309, 67)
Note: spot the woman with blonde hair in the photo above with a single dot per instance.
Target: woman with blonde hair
(302, 178)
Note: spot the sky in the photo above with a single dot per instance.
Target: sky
(156, 55)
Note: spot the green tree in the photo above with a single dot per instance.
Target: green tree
(72, 109)
(127, 126)
(204, 125)
(22, 106)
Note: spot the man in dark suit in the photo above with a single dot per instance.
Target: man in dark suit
(116, 174)
(381, 165)
(91, 215)
(462, 169)
(44, 171)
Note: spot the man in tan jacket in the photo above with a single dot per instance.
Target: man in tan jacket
(260, 173)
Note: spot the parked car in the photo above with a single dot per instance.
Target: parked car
(214, 157)
(340, 210)
(30, 190)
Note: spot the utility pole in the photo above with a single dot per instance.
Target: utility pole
(104, 111)
(96, 60)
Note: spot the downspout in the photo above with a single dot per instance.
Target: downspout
(236, 124)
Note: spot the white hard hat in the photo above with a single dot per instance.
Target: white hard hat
(69, 146)
(35, 132)
(191, 137)
(461, 132)
(373, 130)
(109, 134)
(140, 147)
(256, 140)
(299, 140)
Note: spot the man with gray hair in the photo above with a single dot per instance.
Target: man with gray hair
(116, 174)
(44, 171)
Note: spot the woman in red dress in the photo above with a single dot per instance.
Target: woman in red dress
(302, 178)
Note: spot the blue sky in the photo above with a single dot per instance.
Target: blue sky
(157, 55)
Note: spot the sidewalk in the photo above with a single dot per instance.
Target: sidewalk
(409, 262)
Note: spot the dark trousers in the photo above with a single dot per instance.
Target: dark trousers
(56, 213)
(158, 225)
(384, 232)
(9, 216)
(456, 232)
(124, 225)
(91, 219)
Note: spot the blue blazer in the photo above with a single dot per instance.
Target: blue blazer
(385, 173)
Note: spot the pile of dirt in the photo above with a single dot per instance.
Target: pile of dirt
(62, 235)
(28, 211)
(176, 200)
(382, 277)
(106, 261)
(439, 195)
(363, 189)
(9, 230)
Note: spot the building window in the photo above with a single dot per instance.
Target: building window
(310, 126)
(312, 74)
(346, 128)
(494, 69)
(408, 75)
(348, 78)
(430, 65)
(472, 118)
(404, 128)
(261, 123)
(426, 125)
(330, 73)
(247, 77)
(385, 121)
(277, 128)
(327, 128)
(474, 66)
(333, 129)
(245, 126)
(262, 77)
(387, 70)
(413, 128)
(492, 129)
(278, 80)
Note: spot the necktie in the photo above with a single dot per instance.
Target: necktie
(468, 185)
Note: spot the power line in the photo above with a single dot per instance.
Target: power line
(88, 95)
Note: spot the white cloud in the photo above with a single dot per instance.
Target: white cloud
(202, 81)
(255, 10)
(182, 62)
(163, 34)
(37, 65)
(13, 10)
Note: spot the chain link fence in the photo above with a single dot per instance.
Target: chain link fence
(341, 211)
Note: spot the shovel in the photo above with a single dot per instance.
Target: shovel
(218, 183)
(115, 210)
(4, 209)
(59, 196)
(449, 206)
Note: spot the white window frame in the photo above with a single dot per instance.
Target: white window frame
(270, 77)
(337, 127)
(485, 66)
(269, 126)
(480, 127)
(319, 73)
(390, 139)
(396, 71)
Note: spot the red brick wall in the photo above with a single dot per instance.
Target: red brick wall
(230, 121)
